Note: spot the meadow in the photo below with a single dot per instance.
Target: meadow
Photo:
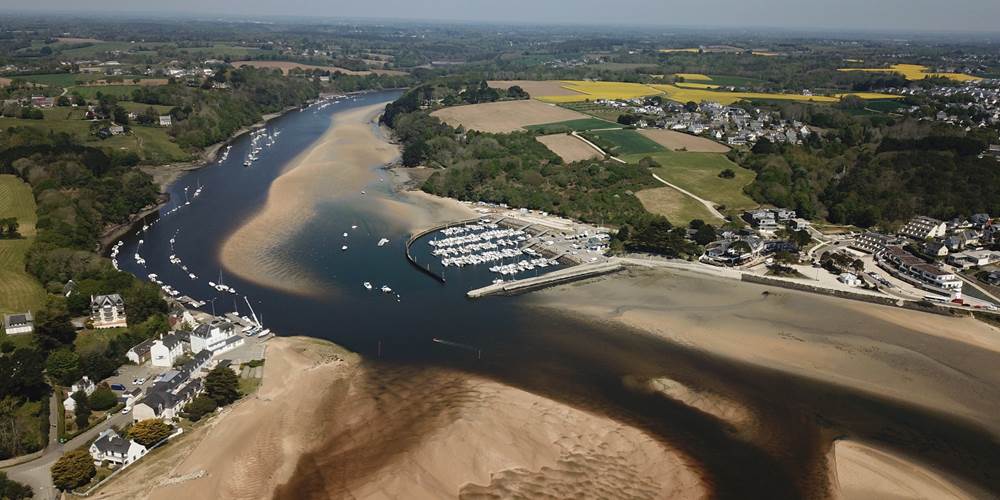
(571, 126)
(699, 174)
(19, 291)
(676, 206)
(915, 72)
(623, 142)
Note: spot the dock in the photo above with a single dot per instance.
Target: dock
(562, 276)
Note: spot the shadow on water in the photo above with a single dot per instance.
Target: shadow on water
(582, 364)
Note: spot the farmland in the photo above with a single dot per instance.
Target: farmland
(623, 142)
(505, 116)
(569, 148)
(915, 72)
(622, 90)
(571, 126)
(19, 291)
(286, 66)
(674, 141)
(676, 206)
(699, 174)
(534, 87)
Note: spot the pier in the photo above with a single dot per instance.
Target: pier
(553, 278)
(420, 234)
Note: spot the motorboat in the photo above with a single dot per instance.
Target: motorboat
(368, 285)
(344, 247)
(383, 241)
(386, 289)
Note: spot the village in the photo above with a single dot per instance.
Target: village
(171, 382)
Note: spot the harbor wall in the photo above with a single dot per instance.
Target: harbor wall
(559, 277)
(420, 234)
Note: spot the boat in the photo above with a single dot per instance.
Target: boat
(368, 285)
(383, 241)
(343, 247)
(211, 284)
(363, 193)
(386, 289)
(192, 276)
(345, 235)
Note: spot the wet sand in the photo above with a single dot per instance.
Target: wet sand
(924, 363)
(869, 473)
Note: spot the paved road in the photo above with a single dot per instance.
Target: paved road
(36, 472)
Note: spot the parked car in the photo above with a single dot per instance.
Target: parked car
(117, 387)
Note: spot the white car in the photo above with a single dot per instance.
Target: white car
(126, 410)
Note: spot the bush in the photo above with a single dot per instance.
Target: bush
(198, 408)
(222, 385)
(149, 432)
(73, 469)
(13, 490)
(103, 398)
(727, 174)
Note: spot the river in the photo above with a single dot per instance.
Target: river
(578, 362)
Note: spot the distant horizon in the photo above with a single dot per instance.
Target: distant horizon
(900, 17)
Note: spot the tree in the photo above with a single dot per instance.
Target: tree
(63, 366)
(82, 410)
(199, 407)
(120, 115)
(103, 398)
(705, 235)
(222, 385)
(149, 432)
(628, 119)
(648, 162)
(690, 106)
(52, 325)
(62, 101)
(73, 469)
(727, 174)
(13, 490)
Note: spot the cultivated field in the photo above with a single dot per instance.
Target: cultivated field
(693, 76)
(569, 148)
(916, 72)
(572, 125)
(699, 174)
(505, 116)
(19, 291)
(697, 92)
(688, 85)
(674, 141)
(676, 206)
(534, 87)
(623, 142)
(285, 66)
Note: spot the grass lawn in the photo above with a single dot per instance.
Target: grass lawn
(248, 385)
(595, 110)
(735, 81)
(139, 107)
(88, 341)
(624, 142)
(19, 291)
(90, 92)
(571, 125)
(885, 105)
(676, 206)
(699, 174)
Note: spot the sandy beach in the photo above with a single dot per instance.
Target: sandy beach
(866, 472)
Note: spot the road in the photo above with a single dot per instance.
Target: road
(708, 204)
(36, 472)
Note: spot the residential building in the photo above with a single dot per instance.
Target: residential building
(85, 385)
(116, 130)
(733, 251)
(165, 121)
(923, 228)
(172, 390)
(935, 249)
(769, 219)
(112, 448)
(18, 324)
(973, 258)
(165, 350)
(139, 353)
(872, 242)
(916, 270)
(213, 336)
(107, 311)
(849, 279)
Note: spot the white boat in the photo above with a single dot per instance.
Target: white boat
(363, 193)
(368, 285)
(383, 241)
(211, 284)
(192, 276)
(354, 227)
(386, 289)
(345, 235)
(343, 247)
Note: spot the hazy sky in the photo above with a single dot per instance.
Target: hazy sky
(892, 15)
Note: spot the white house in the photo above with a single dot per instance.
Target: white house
(84, 385)
(212, 336)
(172, 390)
(18, 324)
(922, 228)
(139, 353)
(165, 121)
(849, 279)
(165, 350)
(110, 447)
(107, 311)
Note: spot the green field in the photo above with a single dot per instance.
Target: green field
(624, 142)
(571, 125)
(122, 91)
(885, 105)
(735, 81)
(139, 107)
(676, 206)
(699, 174)
(152, 144)
(19, 291)
(592, 109)
(90, 341)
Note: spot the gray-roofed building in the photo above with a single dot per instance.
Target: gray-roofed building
(165, 350)
(110, 447)
(139, 353)
(107, 311)
(18, 324)
(172, 390)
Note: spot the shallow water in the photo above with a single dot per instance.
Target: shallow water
(580, 363)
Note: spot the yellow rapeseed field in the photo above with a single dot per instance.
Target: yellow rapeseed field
(693, 49)
(690, 92)
(916, 72)
(694, 76)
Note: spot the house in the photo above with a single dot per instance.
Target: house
(212, 336)
(973, 258)
(992, 278)
(916, 270)
(923, 228)
(139, 353)
(165, 121)
(107, 311)
(84, 385)
(130, 397)
(112, 448)
(172, 390)
(116, 129)
(733, 251)
(165, 350)
(18, 324)
(872, 242)
(935, 249)
(849, 279)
